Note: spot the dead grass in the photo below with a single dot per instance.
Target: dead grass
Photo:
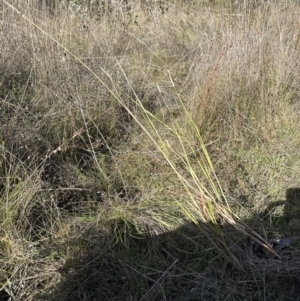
(109, 130)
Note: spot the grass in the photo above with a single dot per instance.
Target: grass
(145, 148)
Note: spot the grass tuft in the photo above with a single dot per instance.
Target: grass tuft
(148, 150)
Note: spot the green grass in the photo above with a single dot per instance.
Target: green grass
(143, 150)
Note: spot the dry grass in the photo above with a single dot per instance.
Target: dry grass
(144, 148)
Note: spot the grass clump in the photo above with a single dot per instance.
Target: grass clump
(146, 148)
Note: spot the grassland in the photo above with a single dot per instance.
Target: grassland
(144, 148)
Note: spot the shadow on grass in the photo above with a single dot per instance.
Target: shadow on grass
(292, 207)
(180, 265)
